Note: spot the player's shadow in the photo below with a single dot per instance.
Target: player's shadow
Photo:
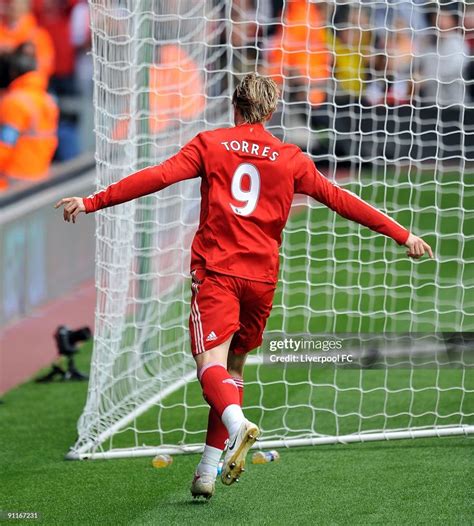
(196, 502)
(186, 503)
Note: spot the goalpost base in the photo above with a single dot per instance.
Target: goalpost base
(278, 443)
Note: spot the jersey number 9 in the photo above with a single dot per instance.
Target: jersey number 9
(250, 196)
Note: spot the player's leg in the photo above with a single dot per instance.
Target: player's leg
(213, 320)
(220, 390)
(256, 303)
(247, 433)
(203, 484)
(215, 312)
(217, 434)
(224, 397)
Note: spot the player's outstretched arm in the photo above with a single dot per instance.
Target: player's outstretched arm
(310, 182)
(186, 164)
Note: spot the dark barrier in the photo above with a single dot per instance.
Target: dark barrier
(395, 133)
(420, 134)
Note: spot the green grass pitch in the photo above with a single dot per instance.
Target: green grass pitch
(423, 481)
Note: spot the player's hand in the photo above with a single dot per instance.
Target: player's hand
(73, 206)
(417, 247)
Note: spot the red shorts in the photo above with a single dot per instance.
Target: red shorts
(223, 305)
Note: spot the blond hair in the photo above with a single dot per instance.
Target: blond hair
(255, 97)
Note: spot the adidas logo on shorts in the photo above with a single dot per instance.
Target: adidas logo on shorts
(211, 336)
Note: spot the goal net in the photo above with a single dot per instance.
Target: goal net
(378, 93)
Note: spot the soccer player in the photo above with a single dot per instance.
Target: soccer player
(248, 180)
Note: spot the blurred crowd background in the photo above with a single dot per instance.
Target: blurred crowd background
(333, 61)
(46, 111)
(390, 80)
(391, 51)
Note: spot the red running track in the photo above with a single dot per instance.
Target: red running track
(27, 345)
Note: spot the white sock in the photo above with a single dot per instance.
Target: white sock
(232, 418)
(209, 460)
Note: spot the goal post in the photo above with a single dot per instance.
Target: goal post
(369, 96)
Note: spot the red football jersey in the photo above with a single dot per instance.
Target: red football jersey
(248, 180)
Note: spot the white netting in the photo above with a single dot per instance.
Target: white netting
(379, 94)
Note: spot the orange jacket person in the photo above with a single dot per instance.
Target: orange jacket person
(176, 88)
(20, 26)
(176, 91)
(299, 51)
(28, 123)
